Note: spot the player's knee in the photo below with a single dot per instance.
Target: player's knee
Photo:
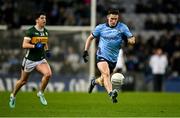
(48, 75)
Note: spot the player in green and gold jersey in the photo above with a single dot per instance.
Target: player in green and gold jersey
(36, 43)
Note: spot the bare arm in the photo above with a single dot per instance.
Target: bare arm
(131, 40)
(87, 45)
(88, 42)
(26, 43)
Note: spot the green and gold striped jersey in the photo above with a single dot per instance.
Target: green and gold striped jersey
(36, 36)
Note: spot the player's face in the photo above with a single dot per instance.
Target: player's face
(41, 21)
(112, 19)
(159, 51)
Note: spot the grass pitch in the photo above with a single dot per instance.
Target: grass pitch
(67, 104)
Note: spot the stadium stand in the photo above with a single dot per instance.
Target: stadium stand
(155, 23)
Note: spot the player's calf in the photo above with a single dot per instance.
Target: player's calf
(92, 85)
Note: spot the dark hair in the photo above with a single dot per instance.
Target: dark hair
(38, 14)
(113, 11)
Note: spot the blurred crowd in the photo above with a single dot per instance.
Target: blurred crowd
(155, 23)
(15, 13)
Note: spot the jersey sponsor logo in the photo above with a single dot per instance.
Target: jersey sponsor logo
(43, 40)
(110, 34)
(119, 30)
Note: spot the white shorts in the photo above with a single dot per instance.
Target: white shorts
(28, 65)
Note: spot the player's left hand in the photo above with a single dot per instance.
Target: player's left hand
(85, 56)
(48, 53)
(39, 45)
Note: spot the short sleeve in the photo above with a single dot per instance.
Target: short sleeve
(28, 33)
(126, 31)
(96, 32)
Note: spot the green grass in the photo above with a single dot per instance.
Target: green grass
(92, 105)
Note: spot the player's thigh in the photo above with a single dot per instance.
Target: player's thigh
(44, 68)
(103, 67)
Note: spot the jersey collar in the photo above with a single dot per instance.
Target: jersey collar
(111, 26)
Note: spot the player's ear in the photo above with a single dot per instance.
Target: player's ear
(36, 20)
(107, 16)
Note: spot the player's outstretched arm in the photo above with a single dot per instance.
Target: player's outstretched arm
(87, 45)
(88, 42)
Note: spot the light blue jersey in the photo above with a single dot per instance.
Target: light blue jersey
(110, 40)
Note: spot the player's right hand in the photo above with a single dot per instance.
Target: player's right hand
(85, 56)
(38, 45)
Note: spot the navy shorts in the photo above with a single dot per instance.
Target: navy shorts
(112, 65)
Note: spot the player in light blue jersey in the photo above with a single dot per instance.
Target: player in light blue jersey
(110, 39)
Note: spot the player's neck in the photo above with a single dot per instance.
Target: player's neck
(107, 24)
(39, 28)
